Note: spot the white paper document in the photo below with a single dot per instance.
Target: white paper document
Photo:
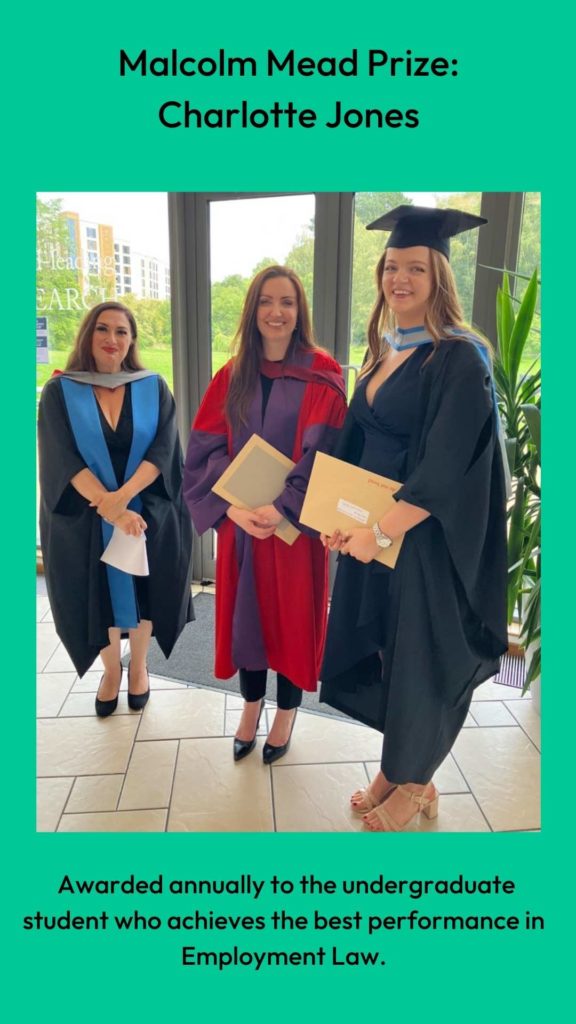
(127, 553)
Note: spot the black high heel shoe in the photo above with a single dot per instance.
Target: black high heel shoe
(107, 707)
(270, 753)
(137, 701)
(244, 747)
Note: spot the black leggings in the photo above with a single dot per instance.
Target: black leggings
(253, 687)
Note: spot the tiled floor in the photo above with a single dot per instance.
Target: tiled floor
(170, 768)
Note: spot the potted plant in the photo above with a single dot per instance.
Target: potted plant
(518, 393)
(529, 570)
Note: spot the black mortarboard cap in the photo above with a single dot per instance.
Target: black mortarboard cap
(424, 225)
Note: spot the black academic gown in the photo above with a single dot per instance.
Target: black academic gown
(406, 648)
(71, 536)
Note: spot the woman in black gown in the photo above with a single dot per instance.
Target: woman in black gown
(426, 633)
(110, 458)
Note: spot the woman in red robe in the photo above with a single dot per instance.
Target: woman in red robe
(271, 598)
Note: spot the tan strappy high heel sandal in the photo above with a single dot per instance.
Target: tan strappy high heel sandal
(425, 803)
(363, 800)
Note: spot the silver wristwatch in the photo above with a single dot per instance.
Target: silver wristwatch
(382, 539)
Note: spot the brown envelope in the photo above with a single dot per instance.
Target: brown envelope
(341, 496)
(256, 477)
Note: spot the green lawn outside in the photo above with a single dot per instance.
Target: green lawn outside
(160, 361)
(157, 359)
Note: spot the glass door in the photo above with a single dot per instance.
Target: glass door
(245, 235)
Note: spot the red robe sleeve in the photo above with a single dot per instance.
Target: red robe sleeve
(208, 455)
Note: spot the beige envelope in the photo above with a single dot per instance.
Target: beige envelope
(256, 477)
(341, 496)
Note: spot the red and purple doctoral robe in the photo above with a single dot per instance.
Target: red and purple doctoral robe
(271, 598)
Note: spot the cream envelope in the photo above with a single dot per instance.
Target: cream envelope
(341, 496)
(256, 477)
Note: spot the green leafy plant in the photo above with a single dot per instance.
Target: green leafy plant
(518, 392)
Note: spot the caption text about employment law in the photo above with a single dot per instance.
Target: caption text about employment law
(256, 923)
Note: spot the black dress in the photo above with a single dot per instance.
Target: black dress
(118, 441)
(405, 647)
(71, 534)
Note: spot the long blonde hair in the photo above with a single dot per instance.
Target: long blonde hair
(248, 342)
(443, 310)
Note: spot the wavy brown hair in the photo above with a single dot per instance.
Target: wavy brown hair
(81, 357)
(247, 342)
(443, 310)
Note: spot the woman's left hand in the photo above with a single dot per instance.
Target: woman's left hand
(333, 541)
(112, 505)
(268, 515)
(361, 544)
(131, 523)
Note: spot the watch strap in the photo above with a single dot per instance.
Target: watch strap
(382, 539)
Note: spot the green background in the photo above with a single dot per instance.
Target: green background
(73, 124)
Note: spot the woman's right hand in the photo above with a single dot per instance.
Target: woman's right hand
(250, 522)
(131, 523)
(111, 505)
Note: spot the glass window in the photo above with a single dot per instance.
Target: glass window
(245, 236)
(529, 259)
(79, 241)
(368, 247)
(77, 260)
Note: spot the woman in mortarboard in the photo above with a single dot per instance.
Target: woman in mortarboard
(110, 461)
(406, 647)
(271, 598)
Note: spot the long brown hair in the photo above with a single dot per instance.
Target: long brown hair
(81, 357)
(443, 310)
(248, 342)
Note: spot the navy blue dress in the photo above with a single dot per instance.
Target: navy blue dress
(405, 647)
(383, 435)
